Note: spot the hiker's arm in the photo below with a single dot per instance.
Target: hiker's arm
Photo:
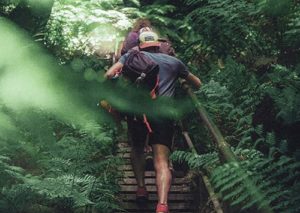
(193, 80)
(113, 70)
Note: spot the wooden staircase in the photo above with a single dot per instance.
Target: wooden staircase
(182, 199)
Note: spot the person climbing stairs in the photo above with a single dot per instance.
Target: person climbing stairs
(181, 196)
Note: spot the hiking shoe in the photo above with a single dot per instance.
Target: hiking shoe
(162, 208)
(141, 195)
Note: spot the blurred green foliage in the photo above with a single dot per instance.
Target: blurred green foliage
(57, 146)
(83, 27)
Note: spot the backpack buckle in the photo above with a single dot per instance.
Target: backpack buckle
(140, 78)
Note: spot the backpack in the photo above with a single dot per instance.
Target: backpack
(142, 71)
(130, 42)
(166, 47)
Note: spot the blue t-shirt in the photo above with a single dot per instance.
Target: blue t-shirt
(170, 69)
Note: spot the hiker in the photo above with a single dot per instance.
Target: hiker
(170, 69)
(132, 39)
(132, 42)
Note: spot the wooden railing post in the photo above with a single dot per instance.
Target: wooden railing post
(226, 154)
(224, 149)
(214, 199)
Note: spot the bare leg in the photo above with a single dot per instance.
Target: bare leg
(138, 164)
(137, 142)
(163, 173)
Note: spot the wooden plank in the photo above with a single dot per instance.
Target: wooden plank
(123, 144)
(180, 197)
(126, 161)
(152, 211)
(126, 167)
(151, 206)
(174, 188)
(153, 197)
(124, 149)
(151, 181)
(152, 174)
(124, 155)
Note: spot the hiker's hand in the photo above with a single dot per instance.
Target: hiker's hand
(108, 75)
(104, 104)
(193, 80)
(113, 70)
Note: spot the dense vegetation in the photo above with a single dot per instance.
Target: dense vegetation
(57, 147)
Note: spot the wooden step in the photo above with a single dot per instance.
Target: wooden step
(153, 211)
(124, 149)
(186, 206)
(180, 199)
(127, 174)
(123, 144)
(174, 188)
(125, 155)
(128, 167)
(151, 181)
(153, 197)
(126, 161)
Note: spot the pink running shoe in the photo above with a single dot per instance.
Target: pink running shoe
(162, 208)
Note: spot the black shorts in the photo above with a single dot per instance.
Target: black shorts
(163, 132)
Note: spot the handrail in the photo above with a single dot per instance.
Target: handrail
(212, 195)
(225, 153)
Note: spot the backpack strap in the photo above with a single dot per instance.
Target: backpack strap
(153, 96)
(153, 91)
(147, 124)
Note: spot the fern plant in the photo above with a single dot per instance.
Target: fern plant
(18, 198)
(275, 181)
(224, 25)
(284, 87)
(9, 174)
(73, 172)
(292, 34)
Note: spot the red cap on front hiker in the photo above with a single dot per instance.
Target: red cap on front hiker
(148, 39)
